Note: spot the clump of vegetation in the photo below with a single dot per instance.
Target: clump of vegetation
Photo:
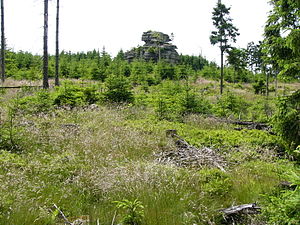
(118, 90)
(282, 206)
(56, 149)
(231, 105)
(134, 212)
(73, 95)
(286, 121)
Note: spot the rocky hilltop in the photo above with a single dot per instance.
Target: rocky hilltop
(157, 46)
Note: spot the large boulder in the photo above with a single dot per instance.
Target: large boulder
(157, 47)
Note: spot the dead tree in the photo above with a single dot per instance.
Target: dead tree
(2, 43)
(45, 57)
(57, 46)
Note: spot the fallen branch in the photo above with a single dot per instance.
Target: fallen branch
(113, 220)
(242, 209)
(186, 155)
(63, 215)
(12, 87)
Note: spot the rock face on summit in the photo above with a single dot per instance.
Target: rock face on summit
(157, 46)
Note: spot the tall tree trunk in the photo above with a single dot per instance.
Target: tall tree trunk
(2, 43)
(267, 83)
(57, 46)
(45, 58)
(222, 62)
(222, 69)
(276, 84)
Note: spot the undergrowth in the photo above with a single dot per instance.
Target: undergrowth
(98, 162)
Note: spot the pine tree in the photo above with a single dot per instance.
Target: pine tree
(224, 34)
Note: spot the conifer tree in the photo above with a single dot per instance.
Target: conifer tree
(282, 37)
(224, 34)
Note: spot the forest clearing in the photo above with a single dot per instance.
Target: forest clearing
(151, 136)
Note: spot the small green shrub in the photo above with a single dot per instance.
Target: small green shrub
(231, 105)
(118, 89)
(164, 70)
(192, 103)
(41, 102)
(215, 182)
(259, 86)
(10, 133)
(73, 95)
(283, 206)
(134, 212)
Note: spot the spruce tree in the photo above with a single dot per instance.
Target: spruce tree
(282, 38)
(224, 34)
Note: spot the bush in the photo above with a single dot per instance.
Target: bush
(133, 211)
(259, 86)
(73, 95)
(164, 70)
(286, 121)
(215, 182)
(41, 102)
(192, 103)
(231, 105)
(283, 206)
(118, 89)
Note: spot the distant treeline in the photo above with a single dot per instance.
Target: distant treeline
(98, 65)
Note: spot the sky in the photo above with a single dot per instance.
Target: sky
(119, 24)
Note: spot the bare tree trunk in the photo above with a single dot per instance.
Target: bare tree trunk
(222, 62)
(267, 83)
(276, 84)
(222, 70)
(2, 43)
(57, 46)
(45, 58)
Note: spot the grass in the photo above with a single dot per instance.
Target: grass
(84, 159)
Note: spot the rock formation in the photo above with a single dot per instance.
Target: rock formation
(157, 46)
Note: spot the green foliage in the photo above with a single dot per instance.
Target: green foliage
(225, 29)
(259, 86)
(210, 72)
(164, 70)
(231, 105)
(262, 110)
(142, 73)
(192, 103)
(73, 95)
(237, 59)
(174, 100)
(134, 212)
(118, 89)
(195, 62)
(10, 133)
(254, 56)
(283, 206)
(282, 49)
(286, 120)
(41, 102)
(215, 182)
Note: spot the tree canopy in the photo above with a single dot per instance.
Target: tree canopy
(282, 37)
